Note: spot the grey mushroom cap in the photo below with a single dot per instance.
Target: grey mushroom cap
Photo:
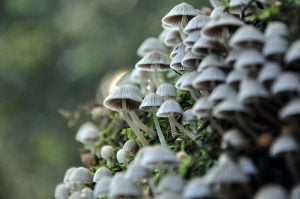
(168, 195)
(102, 188)
(131, 95)
(233, 138)
(236, 76)
(80, 175)
(251, 90)
(197, 188)
(191, 39)
(190, 61)
(221, 92)
(188, 116)
(61, 191)
(101, 173)
(293, 53)
(291, 109)
(249, 58)
(275, 47)
(172, 38)
(204, 46)
(237, 6)
(179, 15)
(207, 77)
(286, 82)
(247, 166)
(157, 157)
(185, 81)
(284, 144)
(151, 101)
(107, 152)
(176, 62)
(121, 156)
(68, 174)
(295, 192)
(166, 90)
(162, 34)
(247, 36)
(275, 29)
(217, 12)
(232, 57)
(153, 61)
(149, 45)
(196, 24)
(168, 108)
(87, 193)
(212, 60)
(136, 172)
(120, 187)
(179, 48)
(170, 183)
(271, 191)
(87, 133)
(269, 72)
(202, 105)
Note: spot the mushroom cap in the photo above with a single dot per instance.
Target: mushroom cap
(179, 15)
(247, 166)
(271, 191)
(61, 191)
(176, 61)
(80, 175)
(139, 76)
(151, 101)
(188, 116)
(170, 183)
(166, 90)
(68, 174)
(87, 133)
(190, 61)
(75, 195)
(132, 97)
(120, 187)
(191, 39)
(131, 147)
(101, 173)
(269, 72)
(172, 38)
(228, 107)
(214, 29)
(102, 188)
(236, 76)
(275, 29)
(212, 60)
(232, 57)
(196, 24)
(249, 58)
(295, 193)
(121, 156)
(202, 105)
(274, 47)
(284, 144)
(217, 12)
(196, 188)
(179, 48)
(168, 195)
(87, 193)
(291, 109)
(286, 82)
(153, 61)
(215, 3)
(233, 138)
(185, 81)
(107, 152)
(208, 76)
(225, 172)
(158, 156)
(293, 53)
(149, 45)
(247, 36)
(169, 107)
(204, 46)
(221, 92)
(135, 172)
(251, 90)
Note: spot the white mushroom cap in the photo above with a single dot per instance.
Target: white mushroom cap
(204, 46)
(170, 183)
(158, 156)
(61, 191)
(185, 81)
(196, 24)
(221, 92)
(286, 82)
(102, 188)
(176, 61)
(196, 188)
(121, 156)
(269, 72)
(131, 95)
(188, 116)
(290, 109)
(135, 172)
(212, 60)
(208, 76)
(80, 175)
(217, 12)
(169, 107)
(87, 193)
(251, 90)
(138, 76)
(236, 76)
(107, 152)
(153, 61)
(190, 61)
(149, 45)
(247, 166)
(202, 105)
(233, 138)
(68, 174)
(168, 195)
(179, 15)
(232, 57)
(101, 173)
(249, 58)
(275, 29)
(87, 133)
(293, 53)
(271, 191)
(179, 48)
(284, 144)
(172, 38)
(191, 39)
(275, 47)
(166, 90)
(151, 101)
(295, 192)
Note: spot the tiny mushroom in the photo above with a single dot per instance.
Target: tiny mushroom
(79, 178)
(101, 189)
(61, 192)
(149, 45)
(101, 173)
(197, 188)
(108, 153)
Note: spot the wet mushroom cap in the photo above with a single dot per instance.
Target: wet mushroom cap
(172, 38)
(202, 105)
(176, 61)
(191, 39)
(275, 46)
(233, 138)
(68, 174)
(185, 81)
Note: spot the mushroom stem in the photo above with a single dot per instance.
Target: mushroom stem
(216, 126)
(159, 131)
(141, 125)
(181, 128)
(244, 126)
(173, 127)
(193, 94)
(193, 127)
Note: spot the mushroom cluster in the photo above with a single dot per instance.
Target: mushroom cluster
(211, 110)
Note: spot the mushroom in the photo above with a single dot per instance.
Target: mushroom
(190, 61)
(190, 40)
(271, 191)
(172, 37)
(166, 90)
(189, 118)
(240, 7)
(295, 192)
(212, 60)
(217, 11)
(61, 192)
(247, 166)
(168, 195)
(276, 29)
(204, 46)
(185, 82)
(202, 108)
(221, 92)
(176, 62)
(232, 57)
(170, 183)
(126, 100)
(196, 24)
(87, 193)
(235, 77)
(275, 48)
(67, 175)
(108, 153)
(141, 78)
(101, 189)
(79, 178)
(291, 111)
(150, 104)
(75, 195)
(197, 188)
(88, 135)
(233, 138)
(209, 78)
(151, 44)
(101, 173)
(286, 85)
(269, 72)
(135, 172)
(292, 56)
(131, 147)
(122, 156)
(179, 48)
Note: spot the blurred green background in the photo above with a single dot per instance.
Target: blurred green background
(52, 55)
